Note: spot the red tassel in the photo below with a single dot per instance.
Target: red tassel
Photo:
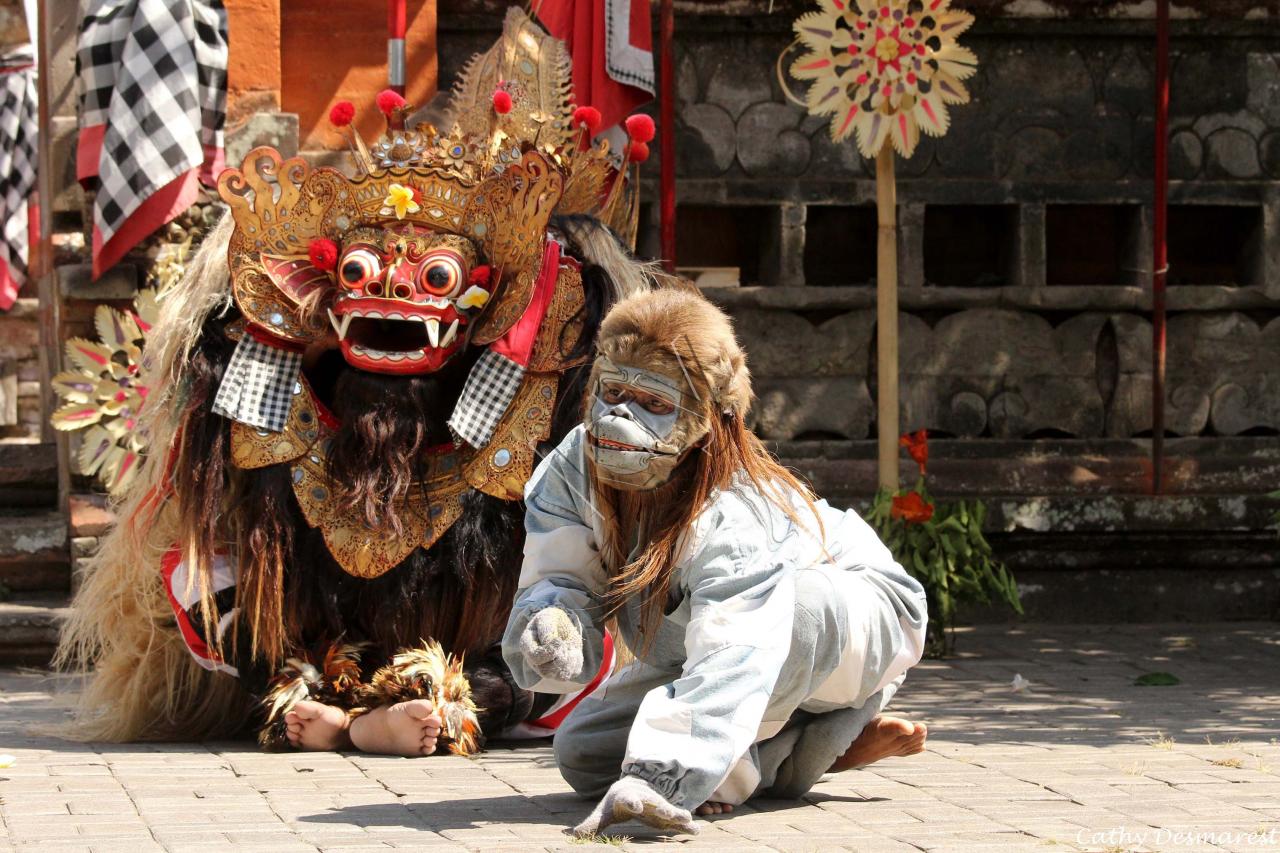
(588, 117)
(323, 253)
(342, 113)
(502, 102)
(639, 152)
(480, 276)
(389, 102)
(640, 128)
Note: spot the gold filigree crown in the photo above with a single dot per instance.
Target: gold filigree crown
(518, 152)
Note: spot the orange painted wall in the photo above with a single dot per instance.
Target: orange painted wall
(332, 50)
(253, 66)
(301, 56)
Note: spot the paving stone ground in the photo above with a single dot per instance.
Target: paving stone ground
(1081, 759)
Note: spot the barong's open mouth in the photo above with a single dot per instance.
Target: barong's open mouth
(388, 338)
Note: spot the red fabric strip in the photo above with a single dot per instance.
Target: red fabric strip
(88, 152)
(580, 24)
(517, 343)
(263, 336)
(159, 209)
(215, 161)
(553, 720)
(8, 287)
(168, 565)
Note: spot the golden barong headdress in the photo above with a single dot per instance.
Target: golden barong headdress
(517, 153)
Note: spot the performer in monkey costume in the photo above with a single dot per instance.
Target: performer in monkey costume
(347, 394)
(770, 629)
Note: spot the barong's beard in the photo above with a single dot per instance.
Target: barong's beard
(389, 425)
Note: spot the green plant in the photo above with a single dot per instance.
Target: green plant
(942, 545)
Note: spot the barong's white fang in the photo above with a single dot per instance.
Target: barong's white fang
(340, 325)
(450, 335)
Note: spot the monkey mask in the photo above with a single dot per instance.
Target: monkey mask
(668, 364)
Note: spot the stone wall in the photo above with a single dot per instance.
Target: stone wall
(1025, 236)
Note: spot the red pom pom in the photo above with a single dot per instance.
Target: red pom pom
(639, 152)
(342, 113)
(640, 128)
(588, 117)
(323, 253)
(389, 102)
(480, 276)
(502, 102)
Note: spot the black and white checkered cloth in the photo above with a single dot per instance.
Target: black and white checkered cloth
(154, 72)
(19, 123)
(258, 385)
(491, 386)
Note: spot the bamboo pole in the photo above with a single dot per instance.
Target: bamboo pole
(50, 308)
(887, 318)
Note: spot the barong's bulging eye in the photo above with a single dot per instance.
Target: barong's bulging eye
(442, 274)
(360, 266)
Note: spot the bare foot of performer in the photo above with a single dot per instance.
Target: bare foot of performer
(408, 728)
(711, 807)
(884, 737)
(317, 727)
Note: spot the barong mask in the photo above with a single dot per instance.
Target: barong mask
(406, 299)
(438, 241)
(667, 365)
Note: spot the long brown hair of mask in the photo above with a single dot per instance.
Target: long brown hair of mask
(665, 515)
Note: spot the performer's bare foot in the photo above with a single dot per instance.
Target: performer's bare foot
(409, 729)
(315, 726)
(882, 738)
(711, 807)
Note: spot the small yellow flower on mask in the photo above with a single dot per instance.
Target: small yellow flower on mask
(475, 297)
(400, 199)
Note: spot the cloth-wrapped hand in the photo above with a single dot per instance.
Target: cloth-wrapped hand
(632, 798)
(552, 645)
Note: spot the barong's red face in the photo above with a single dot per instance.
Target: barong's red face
(406, 299)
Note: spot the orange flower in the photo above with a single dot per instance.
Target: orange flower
(911, 508)
(917, 445)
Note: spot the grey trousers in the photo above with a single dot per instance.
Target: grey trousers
(591, 743)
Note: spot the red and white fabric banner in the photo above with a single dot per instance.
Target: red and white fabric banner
(611, 44)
